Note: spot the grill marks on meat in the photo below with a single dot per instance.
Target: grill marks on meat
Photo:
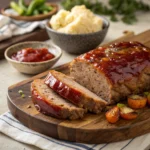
(120, 69)
(49, 103)
(74, 92)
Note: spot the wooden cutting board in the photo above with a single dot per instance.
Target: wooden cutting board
(91, 129)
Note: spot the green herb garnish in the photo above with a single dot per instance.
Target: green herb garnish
(21, 93)
(113, 18)
(146, 93)
(121, 105)
(125, 8)
(35, 7)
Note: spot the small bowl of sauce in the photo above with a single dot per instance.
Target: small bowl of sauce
(32, 57)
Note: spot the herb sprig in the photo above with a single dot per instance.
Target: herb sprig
(21, 93)
(125, 8)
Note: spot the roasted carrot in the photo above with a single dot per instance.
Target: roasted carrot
(113, 115)
(126, 112)
(136, 101)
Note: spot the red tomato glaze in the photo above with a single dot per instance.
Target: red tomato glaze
(32, 55)
(44, 107)
(63, 89)
(119, 61)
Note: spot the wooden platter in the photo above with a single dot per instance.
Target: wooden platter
(92, 128)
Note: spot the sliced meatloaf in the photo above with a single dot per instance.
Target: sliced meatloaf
(115, 71)
(49, 103)
(74, 92)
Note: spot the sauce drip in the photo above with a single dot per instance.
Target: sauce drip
(119, 61)
(32, 55)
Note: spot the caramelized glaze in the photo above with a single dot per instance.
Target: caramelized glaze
(44, 107)
(63, 90)
(119, 61)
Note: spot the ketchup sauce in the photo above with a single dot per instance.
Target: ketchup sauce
(32, 55)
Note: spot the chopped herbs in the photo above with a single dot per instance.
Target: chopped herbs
(23, 96)
(121, 105)
(146, 93)
(125, 8)
(21, 93)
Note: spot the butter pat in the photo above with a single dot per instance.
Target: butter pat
(79, 20)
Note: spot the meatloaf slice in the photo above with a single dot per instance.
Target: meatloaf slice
(74, 92)
(115, 71)
(49, 103)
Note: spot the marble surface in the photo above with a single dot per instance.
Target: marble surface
(9, 75)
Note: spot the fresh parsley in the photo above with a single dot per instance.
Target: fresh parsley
(125, 8)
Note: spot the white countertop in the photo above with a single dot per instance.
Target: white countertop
(9, 75)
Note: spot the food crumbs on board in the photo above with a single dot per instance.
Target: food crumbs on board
(29, 106)
(23, 96)
(21, 93)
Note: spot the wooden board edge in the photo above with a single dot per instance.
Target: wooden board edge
(21, 114)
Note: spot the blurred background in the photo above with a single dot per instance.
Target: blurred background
(131, 21)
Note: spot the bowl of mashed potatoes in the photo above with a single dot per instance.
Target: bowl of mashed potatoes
(77, 31)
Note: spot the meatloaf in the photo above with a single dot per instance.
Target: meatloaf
(49, 103)
(115, 71)
(74, 92)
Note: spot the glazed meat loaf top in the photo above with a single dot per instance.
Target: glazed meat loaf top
(120, 61)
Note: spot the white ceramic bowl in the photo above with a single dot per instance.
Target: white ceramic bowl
(32, 67)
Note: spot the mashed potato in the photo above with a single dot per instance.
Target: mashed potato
(77, 21)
